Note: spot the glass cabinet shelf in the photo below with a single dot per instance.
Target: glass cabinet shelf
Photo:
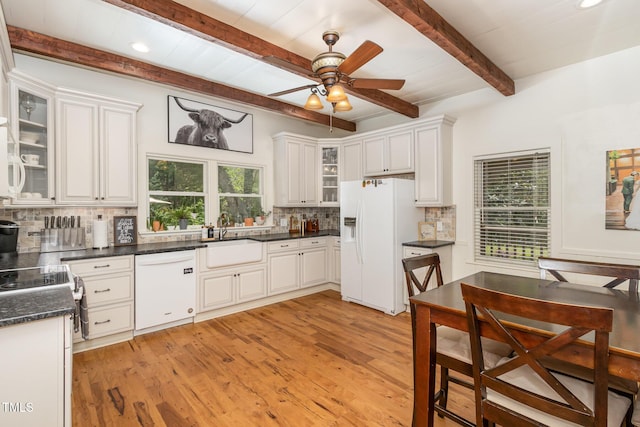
(330, 178)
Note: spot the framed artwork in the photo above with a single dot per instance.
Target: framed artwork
(203, 125)
(426, 230)
(622, 181)
(125, 230)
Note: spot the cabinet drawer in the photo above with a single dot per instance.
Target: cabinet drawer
(313, 242)
(284, 245)
(108, 289)
(110, 320)
(409, 252)
(105, 265)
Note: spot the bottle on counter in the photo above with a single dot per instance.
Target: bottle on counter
(204, 232)
(210, 231)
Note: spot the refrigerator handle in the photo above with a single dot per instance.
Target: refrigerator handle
(359, 248)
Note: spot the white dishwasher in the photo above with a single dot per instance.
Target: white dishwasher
(165, 292)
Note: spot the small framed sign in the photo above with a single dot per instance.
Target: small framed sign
(125, 231)
(426, 230)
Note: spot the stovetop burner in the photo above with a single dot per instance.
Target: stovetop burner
(32, 278)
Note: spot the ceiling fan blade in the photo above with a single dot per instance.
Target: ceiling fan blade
(284, 92)
(281, 63)
(394, 84)
(363, 54)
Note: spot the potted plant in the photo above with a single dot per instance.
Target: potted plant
(182, 215)
(261, 217)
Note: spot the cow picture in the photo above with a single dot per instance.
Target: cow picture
(195, 123)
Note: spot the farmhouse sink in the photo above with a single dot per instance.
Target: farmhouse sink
(230, 252)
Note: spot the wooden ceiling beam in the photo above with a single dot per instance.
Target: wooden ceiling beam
(40, 44)
(205, 27)
(429, 23)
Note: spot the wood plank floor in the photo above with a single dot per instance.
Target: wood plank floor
(311, 361)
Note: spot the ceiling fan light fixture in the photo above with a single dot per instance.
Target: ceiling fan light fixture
(343, 105)
(313, 103)
(336, 94)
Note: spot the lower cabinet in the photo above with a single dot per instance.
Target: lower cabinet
(295, 264)
(109, 284)
(224, 287)
(335, 258)
(444, 252)
(35, 377)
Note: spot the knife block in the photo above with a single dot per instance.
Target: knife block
(62, 239)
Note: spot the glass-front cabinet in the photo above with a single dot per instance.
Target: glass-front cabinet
(32, 127)
(330, 181)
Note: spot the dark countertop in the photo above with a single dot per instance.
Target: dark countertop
(428, 244)
(35, 305)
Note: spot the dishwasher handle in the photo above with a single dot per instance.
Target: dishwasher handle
(165, 261)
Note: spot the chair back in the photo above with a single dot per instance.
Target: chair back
(413, 267)
(482, 306)
(619, 272)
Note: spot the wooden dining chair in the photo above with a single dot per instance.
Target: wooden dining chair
(619, 273)
(614, 275)
(521, 391)
(453, 346)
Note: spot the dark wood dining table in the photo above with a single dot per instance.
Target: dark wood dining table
(444, 306)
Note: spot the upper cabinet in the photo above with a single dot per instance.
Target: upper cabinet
(433, 140)
(31, 108)
(295, 170)
(329, 171)
(96, 150)
(388, 154)
(351, 161)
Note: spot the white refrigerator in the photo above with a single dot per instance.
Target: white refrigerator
(376, 217)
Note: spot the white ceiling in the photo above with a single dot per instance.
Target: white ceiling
(522, 37)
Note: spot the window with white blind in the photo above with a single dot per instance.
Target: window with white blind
(512, 208)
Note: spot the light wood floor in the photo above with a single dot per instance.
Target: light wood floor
(312, 361)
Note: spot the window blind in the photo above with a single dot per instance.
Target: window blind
(512, 209)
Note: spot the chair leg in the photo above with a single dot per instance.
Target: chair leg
(444, 386)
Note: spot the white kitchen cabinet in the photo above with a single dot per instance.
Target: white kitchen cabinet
(351, 161)
(329, 156)
(109, 285)
(96, 150)
(32, 120)
(227, 286)
(444, 252)
(335, 261)
(34, 373)
(433, 151)
(295, 171)
(388, 154)
(295, 264)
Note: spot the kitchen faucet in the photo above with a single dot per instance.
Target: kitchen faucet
(223, 222)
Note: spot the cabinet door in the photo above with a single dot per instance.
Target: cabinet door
(336, 265)
(117, 156)
(374, 156)
(309, 175)
(351, 162)
(293, 171)
(313, 267)
(32, 118)
(400, 152)
(252, 284)
(77, 151)
(329, 175)
(433, 164)
(32, 374)
(284, 272)
(216, 291)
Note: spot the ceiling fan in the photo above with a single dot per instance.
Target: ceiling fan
(334, 69)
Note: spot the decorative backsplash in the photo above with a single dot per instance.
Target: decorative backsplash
(31, 221)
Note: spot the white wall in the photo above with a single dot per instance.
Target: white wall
(579, 112)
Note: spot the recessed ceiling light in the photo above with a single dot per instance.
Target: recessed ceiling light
(140, 47)
(585, 4)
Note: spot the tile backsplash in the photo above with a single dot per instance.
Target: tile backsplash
(31, 221)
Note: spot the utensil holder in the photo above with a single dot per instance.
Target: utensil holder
(62, 239)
